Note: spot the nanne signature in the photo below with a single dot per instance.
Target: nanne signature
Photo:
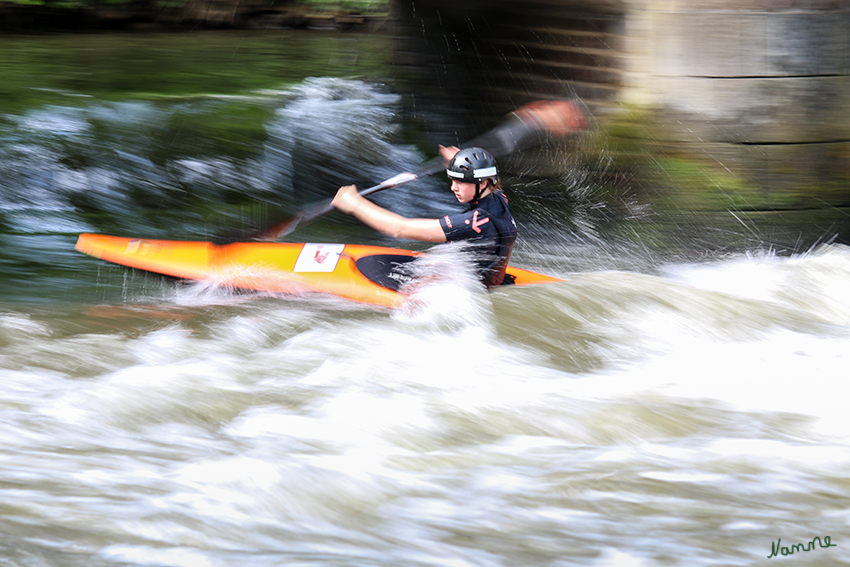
(776, 548)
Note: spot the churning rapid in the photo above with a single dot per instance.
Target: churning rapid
(646, 412)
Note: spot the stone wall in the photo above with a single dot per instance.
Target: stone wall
(500, 55)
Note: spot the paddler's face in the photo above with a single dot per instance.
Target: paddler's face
(465, 192)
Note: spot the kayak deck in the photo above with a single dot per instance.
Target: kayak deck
(368, 274)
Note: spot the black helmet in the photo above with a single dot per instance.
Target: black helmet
(473, 165)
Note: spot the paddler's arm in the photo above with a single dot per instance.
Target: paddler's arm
(348, 201)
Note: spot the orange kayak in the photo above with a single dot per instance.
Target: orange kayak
(368, 274)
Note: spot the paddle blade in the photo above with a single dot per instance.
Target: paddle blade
(530, 125)
(557, 117)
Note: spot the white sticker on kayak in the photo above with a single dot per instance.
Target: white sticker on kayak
(318, 257)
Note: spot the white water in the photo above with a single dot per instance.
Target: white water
(691, 418)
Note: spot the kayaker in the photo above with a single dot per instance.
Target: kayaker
(487, 223)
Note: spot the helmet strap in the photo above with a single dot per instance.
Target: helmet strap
(477, 191)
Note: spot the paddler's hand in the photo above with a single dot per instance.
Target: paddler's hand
(448, 153)
(346, 199)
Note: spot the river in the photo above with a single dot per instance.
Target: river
(658, 408)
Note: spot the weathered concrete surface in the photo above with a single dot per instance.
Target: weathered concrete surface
(789, 110)
(758, 89)
(745, 68)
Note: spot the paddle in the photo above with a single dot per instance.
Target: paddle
(521, 128)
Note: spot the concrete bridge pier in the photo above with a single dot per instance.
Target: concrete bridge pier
(724, 104)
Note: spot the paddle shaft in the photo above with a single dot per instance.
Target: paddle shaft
(523, 127)
(324, 208)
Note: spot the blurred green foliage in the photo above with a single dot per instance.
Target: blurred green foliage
(72, 69)
(361, 6)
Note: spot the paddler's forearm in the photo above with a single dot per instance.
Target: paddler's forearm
(395, 225)
(350, 202)
(378, 218)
